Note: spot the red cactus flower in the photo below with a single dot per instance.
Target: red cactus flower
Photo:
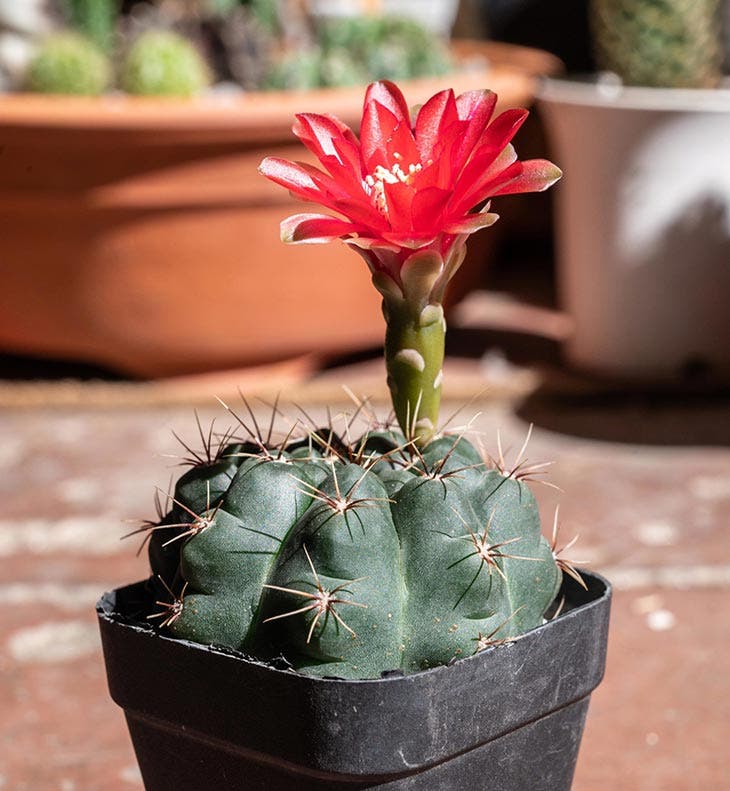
(409, 194)
(404, 185)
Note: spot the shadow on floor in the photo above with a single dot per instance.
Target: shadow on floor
(694, 411)
(635, 418)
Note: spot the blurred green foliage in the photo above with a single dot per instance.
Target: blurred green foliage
(96, 19)
(356, 50)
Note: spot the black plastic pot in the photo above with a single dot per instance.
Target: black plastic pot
(507, 719)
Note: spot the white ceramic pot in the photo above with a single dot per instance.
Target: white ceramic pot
(643, 227)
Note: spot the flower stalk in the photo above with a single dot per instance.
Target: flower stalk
(414, 357)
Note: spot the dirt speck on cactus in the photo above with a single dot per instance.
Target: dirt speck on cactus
(69, 63)
(163, 63)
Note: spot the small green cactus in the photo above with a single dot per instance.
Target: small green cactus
(659, 43)
(69, 63)
(163, 63)
(351, 560)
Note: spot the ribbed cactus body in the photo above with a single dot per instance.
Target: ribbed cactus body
(356, 561)
(661, 43)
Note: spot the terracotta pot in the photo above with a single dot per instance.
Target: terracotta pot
(138, 234)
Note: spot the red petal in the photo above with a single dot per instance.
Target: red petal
(349, 154)
(438, 113)
(334, 144)
(476, 108)
(383, 136)
(306, 182)
(446, 169)
(378, 125)
(398, 199)
(314, 228)
(361, 211)
(318, 133)
(476, 105)
(479, 174)
(504, 127)
(291, 175)
(427, 207)
(471, 223)
(537, 175)
(389, 95)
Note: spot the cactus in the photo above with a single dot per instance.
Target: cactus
(404, 549)
(163, 63)
(94, 18)
(660, 43)
(69, 63)
(351, 560)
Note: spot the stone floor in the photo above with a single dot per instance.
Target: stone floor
(646, 485)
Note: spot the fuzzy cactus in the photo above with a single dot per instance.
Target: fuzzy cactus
(163, 63)
(69, 63)
(659, 43)
(404, 549)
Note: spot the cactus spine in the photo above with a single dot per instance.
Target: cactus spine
(660, 43)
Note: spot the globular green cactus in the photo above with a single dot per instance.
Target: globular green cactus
(351, 560)
(69, 63)
(659, 43)
(405, 549)
(163, 63)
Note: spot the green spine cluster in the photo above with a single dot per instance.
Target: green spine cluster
(659, 43)
(69, 63)
(163, 63)
(351, 560)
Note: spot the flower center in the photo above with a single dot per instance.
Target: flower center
(374, 184)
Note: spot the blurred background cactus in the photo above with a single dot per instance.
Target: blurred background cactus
(659, 43)
(181, 47)
(69, 63)
(163, 63)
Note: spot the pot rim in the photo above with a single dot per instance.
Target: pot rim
(548, 670)
(599, 592)
(511, 69)
(606, 91)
